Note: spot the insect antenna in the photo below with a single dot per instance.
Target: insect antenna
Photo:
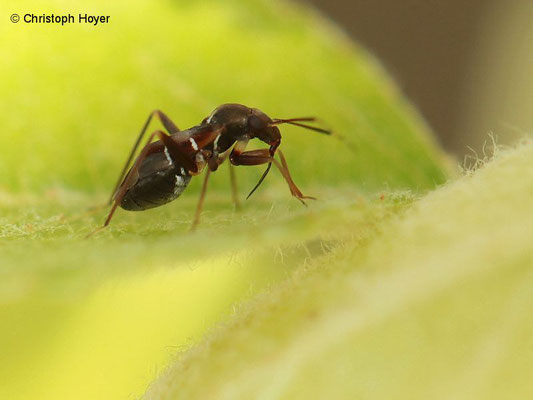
(298, 122)
(260, 180)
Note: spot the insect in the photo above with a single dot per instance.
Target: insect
(164, 168)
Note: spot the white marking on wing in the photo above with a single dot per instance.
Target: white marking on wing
(216, 142)
(193, 144)
(180, 183)
(168, 156)
(179, 180)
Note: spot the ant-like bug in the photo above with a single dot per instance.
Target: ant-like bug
(164, 168)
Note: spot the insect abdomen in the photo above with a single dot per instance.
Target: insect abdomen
(155, 190)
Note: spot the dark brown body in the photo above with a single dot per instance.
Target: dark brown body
(161, 179)
(164, 168)
(159, 182)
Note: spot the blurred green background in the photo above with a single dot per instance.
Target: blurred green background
(81, 93)
(101, 318)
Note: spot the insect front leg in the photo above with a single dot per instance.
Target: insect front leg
(284, 169)
(262, 156)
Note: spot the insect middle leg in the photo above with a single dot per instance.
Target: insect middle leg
(233, 179)
(233, 183)
(213, 164)
(200, 204)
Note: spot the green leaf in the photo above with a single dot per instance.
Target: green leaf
(438, 306)
(100, 318)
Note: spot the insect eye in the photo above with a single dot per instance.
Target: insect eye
(256, 123)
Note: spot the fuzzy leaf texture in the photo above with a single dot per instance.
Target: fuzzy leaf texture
(437, 306)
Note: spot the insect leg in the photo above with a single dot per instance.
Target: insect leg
(234, 193)
(254, 157)
(284, 169)
(169, 126)
(200, 205)
(233, 179)
(258, 157)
